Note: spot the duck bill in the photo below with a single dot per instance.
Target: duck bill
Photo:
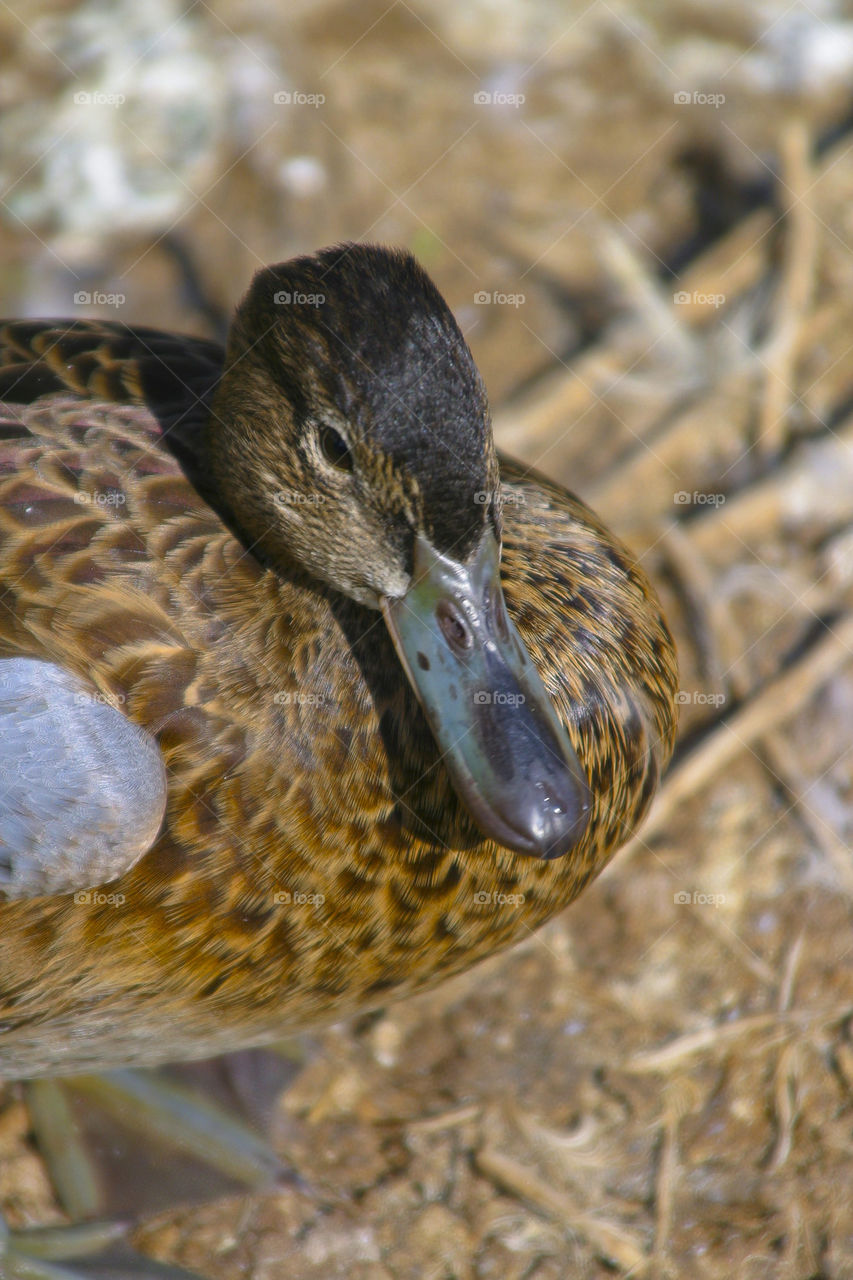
(508, 755)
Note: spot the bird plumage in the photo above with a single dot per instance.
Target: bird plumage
(315, 858)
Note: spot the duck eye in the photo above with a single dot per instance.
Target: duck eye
(335, 449)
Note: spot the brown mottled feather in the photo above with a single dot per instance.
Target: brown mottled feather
(288, 886)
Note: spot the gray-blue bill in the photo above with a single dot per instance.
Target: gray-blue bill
(508, 755)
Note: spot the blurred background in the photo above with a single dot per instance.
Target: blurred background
(642, 216)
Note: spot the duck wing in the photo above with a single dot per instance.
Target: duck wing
(173, 375)
(82, 788)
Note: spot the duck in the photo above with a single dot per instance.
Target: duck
(302, 682)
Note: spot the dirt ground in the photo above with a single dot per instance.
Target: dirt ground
(656, 201)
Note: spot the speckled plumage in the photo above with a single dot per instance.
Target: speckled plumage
(314, 858)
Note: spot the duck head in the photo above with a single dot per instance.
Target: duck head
(350, 437)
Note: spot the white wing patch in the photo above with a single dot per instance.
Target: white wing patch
(82, 788)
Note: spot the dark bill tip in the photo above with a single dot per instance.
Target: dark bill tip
(508, 754)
